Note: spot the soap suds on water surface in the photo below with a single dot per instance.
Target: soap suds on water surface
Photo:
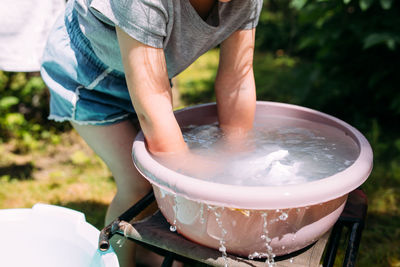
(278, 151)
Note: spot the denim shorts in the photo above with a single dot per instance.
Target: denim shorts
(82, 88)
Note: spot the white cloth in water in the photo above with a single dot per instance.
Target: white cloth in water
(267, 170)
(24, 27)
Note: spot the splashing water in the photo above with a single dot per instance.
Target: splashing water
(268, 254)
(218, 213)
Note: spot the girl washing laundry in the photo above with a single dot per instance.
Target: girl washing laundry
(110, 62)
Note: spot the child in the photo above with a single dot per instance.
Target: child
(108, 61)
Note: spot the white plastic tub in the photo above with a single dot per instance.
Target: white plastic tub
(49, 236)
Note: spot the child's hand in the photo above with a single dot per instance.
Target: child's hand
(236, 140)
(191, 164)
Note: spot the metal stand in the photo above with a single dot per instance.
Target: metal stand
(154, 234)
(353, 218)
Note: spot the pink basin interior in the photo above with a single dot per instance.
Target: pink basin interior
(266, 220)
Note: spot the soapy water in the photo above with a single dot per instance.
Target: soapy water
(278, 151)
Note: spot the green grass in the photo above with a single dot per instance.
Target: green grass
(67, 174)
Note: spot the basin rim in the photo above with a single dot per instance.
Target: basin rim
(262, 197)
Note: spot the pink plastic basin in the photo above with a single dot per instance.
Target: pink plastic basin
(250, 219)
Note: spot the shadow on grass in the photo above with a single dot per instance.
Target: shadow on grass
(18, 171)
(94, 211)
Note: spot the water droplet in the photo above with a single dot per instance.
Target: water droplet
(172, 228)
(283, 216)
(254, 255)
(270, 262)
(222, 248)
(121, 241)
(268, 254)
(202, 220)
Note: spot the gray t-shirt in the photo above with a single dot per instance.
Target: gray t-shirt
(173, 25)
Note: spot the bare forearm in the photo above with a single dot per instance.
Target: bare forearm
(236, 99)
(235, 86)
(159, 125)
(148, 84)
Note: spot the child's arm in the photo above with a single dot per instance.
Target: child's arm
(150, 91)
(148, 84)
(235, 86)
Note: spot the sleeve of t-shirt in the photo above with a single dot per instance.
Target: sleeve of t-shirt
(254, 15)
(143, 20)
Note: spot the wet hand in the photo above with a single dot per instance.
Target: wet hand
(191, 163)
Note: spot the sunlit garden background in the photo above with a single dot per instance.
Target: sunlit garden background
(340, 57)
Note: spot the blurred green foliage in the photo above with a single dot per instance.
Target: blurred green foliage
(349, 54)
(24, 109)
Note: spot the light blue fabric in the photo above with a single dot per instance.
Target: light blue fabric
(82, 88)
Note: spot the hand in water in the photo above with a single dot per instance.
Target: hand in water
(209, 149)
(192, 164)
